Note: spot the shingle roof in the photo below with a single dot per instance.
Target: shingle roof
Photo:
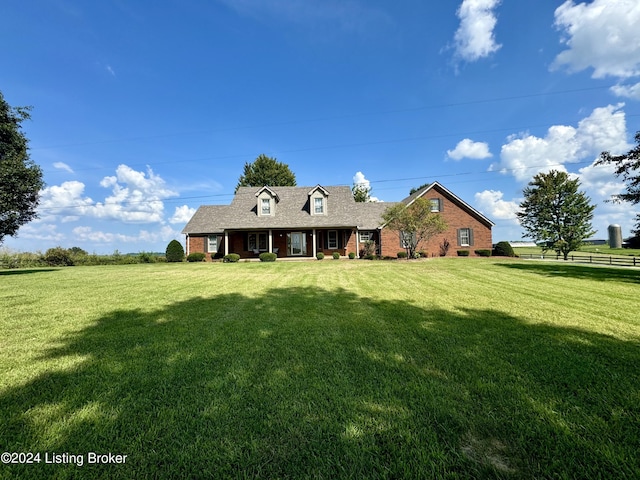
(291, 211)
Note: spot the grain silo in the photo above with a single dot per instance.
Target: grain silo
(615, 236)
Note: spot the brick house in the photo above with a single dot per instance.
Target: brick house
(302, 221)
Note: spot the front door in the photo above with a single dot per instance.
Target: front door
(297, 244)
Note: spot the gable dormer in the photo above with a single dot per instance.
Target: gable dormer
(267, 200)
(318, 197)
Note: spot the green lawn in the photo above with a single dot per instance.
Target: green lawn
(447, 368)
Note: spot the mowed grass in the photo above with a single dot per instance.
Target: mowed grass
(447, 368)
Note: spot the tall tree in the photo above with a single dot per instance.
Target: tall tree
(556, 213)
(627, 167)
(266, 171)
(414, 223)
(361, 192)
(20, 178)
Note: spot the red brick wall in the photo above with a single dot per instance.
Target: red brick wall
(456, 218)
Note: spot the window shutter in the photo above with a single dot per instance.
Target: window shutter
(459, 238)
(471, 237)
(440, 205)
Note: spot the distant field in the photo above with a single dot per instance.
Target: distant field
(585, 250)
(445, 368)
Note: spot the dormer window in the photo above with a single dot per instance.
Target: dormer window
(265, 208)
(318, 201)
(267, 200)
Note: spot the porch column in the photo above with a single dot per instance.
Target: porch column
(226, 242)
(271, 241)
(313, 237)
(357, 243)
(186, 239)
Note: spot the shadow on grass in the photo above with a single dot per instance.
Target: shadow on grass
(310, 383)
(590, 272)
(27, 271)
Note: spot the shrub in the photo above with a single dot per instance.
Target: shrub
(320, 255)
(503, 249)
(196, 257)
(231, 258)
(369, 257)
(444, 247)
(335, 255)
(463, 253)
(423, 254)
(175, 252)
(402, 254)
(483, 253)
(368, 249)
(145, 257)
(58, 257)
(352, 255)
(268, 257)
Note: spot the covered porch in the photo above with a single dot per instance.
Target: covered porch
(290, 243)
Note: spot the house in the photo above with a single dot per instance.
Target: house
(302, 221)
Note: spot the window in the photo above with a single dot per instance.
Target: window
(465, 237)
(265, 206)
(212, 244)
(436, 204)
(318, 206)
(332, 239)
(366, 236)
(407, 238)
(257, 241)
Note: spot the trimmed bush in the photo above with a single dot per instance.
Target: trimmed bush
(423, 254)
(196, 257)
(463, 253)
(175, 252)
(352, 255)
(503, 249)
(268, 257)
(402, 254)
(483, 253)
(335, 255)
(231, 258)
(320, 256)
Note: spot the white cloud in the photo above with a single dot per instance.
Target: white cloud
(627, 91)
(527, 155)
(87, 234)
(602, 35)
(136, 196)
(469, 149)
(491, 201)
(64, 199)
(182, 214)
(360, 179)
(41, 231)
(601, 180)
(63, 166)
(474, 39)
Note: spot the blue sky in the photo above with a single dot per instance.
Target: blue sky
(144, 110)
